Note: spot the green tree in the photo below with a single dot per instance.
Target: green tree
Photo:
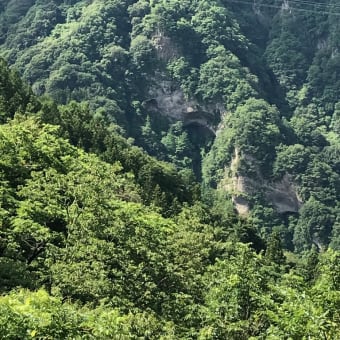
(314, 225)
(274, 252)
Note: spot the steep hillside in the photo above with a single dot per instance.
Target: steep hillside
(100, 240)
(244, 94)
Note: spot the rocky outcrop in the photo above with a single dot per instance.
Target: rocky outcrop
(238, 186)
(165, 47)
(241, 205)
(281, 194)
(168, 99)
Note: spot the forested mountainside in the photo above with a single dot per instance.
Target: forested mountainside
(169, 169)
(245, 95)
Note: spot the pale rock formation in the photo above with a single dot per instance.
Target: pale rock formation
(168, 99)
(283, 194)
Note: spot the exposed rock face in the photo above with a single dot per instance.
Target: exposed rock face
(165, 48)
(241, 205)
(281, 194)
(168, 99)
(238, 186)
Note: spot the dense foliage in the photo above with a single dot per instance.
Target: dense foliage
(105, 231)
(272, 73)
